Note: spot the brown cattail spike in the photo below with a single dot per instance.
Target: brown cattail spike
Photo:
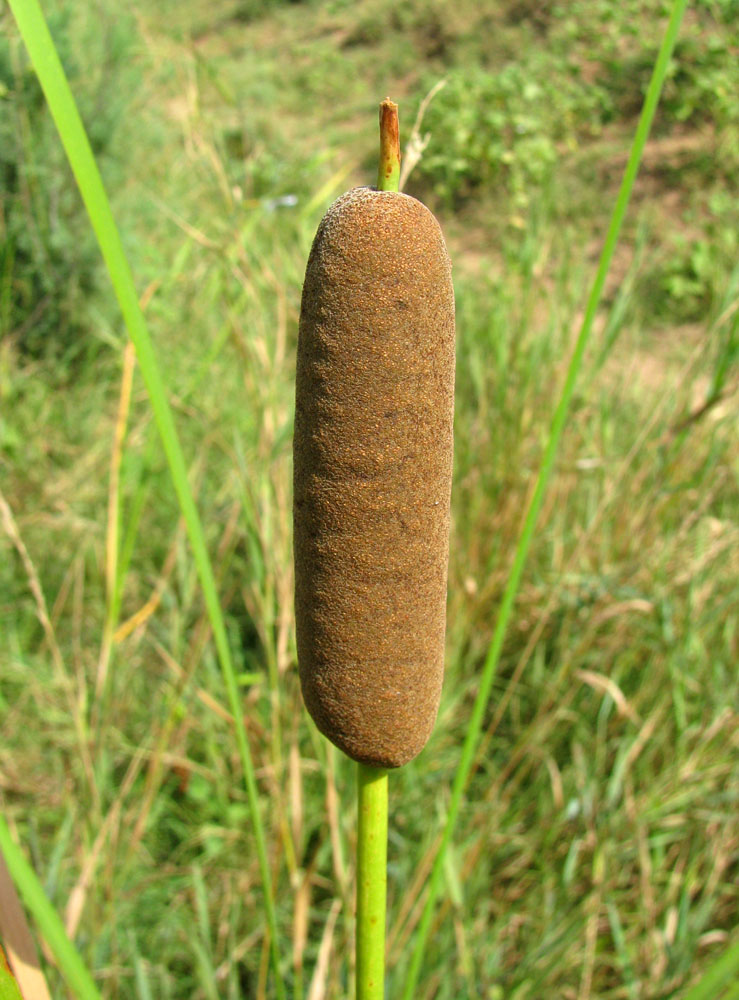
(373, 463)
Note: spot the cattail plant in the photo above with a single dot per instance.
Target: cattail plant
(372, 470)
(373, 464)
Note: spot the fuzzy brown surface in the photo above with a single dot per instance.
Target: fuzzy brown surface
(373, 465)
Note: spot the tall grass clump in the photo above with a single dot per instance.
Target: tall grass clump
(44, 56)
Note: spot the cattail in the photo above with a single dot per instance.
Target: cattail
(373, 463)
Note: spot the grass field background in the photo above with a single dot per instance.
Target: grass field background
(596, 855)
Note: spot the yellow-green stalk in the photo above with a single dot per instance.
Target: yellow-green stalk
(371, 881)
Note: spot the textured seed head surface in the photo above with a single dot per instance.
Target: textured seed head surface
(372, 474)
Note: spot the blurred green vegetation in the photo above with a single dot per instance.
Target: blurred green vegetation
(597, 853)
(49, 261)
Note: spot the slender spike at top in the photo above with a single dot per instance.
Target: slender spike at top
(388, 177)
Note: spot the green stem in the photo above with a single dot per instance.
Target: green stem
(371, 881)
(490, 667)
(388, 175)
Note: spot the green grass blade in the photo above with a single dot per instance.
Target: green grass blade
(545, 471)
(48, 67)
(8, 986)
(723, 972)
(72, 967)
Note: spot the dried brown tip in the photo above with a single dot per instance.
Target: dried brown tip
(388, 176)
(373, 463)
